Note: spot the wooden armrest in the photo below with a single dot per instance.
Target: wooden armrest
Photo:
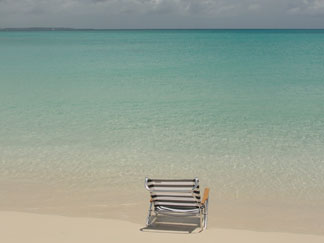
(206, 195)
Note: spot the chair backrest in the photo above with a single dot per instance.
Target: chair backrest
(174, 193)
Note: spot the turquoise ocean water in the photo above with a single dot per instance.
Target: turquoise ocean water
(86, 115)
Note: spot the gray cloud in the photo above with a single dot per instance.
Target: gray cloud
(163, 13)
(309, 7)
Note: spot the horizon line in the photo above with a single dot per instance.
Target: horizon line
(72, 28)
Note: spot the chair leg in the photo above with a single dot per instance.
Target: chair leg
(148, 220)
(202, 220)
(206, 214)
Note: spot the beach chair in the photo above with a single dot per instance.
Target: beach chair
(177, 198)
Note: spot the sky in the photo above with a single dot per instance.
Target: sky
(129, 14)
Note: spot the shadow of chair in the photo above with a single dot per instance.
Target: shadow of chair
(163, 223)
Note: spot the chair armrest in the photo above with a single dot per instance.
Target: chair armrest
(206, 195)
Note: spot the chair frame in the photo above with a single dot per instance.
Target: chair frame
(203, 207)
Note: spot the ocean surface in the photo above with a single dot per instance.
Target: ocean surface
(86, 115)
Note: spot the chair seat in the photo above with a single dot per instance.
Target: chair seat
(164, 209)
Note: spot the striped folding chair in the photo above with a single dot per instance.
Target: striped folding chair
(177, 197)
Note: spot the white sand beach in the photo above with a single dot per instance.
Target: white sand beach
(17, 227)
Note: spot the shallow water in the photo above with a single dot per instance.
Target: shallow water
(86, 115)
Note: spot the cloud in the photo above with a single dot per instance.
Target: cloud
(160, 13)
(182, 7)
(308, 7)
(254, 6)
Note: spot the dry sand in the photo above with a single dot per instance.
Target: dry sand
(17, 227)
